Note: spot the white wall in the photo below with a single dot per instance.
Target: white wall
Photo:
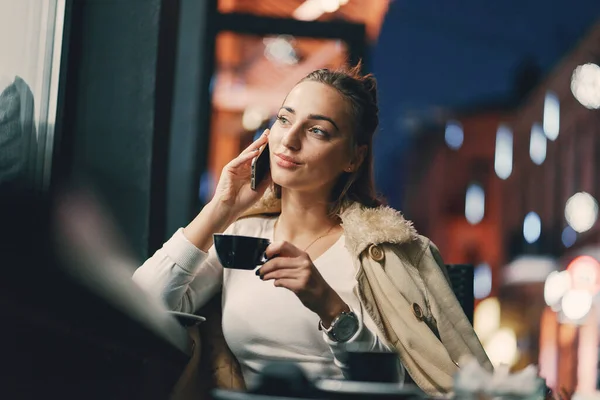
(23, 26)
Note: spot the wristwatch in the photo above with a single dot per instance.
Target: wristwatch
(342, 328)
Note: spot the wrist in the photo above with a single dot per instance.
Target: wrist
(212, 219)
(333, 308)
(220, 212)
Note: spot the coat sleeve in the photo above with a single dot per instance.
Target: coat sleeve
(393, 293)
(454, 329)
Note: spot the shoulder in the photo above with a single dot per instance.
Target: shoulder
(364, 226)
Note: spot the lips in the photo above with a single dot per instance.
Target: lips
(286, 161)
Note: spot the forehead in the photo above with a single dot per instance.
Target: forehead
(318, 99)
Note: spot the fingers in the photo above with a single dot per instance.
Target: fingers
(242, 159)
(286, 273)
(250, 152)
(276, 264)
(283, 249)
(258, 143)
(290, 284)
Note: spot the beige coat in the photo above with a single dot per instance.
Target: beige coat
(402, 284)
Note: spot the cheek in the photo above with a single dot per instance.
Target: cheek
(327, 163)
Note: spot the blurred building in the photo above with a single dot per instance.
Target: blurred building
(556, 175)
(566, 165)
(449, 162)
(513, 187)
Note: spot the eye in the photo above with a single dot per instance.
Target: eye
(282, 119)
(319, 132)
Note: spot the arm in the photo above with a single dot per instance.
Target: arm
(181, 275)
(184, 272)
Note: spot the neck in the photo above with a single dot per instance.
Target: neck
(303, 215)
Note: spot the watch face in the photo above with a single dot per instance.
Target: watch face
(345, 327)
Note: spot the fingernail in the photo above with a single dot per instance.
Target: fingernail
(258, 272)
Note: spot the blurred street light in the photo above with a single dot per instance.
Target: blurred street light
(585, 85)
(253, 117)
(482, 281)
(557, 284)
(454, 135)
(281, 50)
(581, 211)
(474, 204)
(486, 319)
(537, 144)
(532, 227)
(572, 291)
(568, 237)
(576, 303)
(585, 271)
(313, 9)
(501, 348)
(504, 152)
(551, 116)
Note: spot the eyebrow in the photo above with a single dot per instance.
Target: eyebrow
(313, 116)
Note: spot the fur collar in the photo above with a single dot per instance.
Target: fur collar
(362, 226)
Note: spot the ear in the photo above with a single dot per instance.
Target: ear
(357, 160)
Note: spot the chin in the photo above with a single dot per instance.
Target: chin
(287, 180)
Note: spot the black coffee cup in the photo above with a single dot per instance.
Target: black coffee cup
(373, 366)
(240, 252)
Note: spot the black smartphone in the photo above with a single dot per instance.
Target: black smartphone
(260, 167)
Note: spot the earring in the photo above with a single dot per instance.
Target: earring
(349, 169)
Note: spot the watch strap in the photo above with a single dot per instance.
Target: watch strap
(330, 331)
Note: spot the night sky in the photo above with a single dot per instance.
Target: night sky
(457, 53)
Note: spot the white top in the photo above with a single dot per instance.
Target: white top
(261, 322)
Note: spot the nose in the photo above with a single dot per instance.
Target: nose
(292, 138)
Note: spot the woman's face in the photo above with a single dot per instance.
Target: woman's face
(310, 140)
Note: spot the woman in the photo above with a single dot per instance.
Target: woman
(361, 273)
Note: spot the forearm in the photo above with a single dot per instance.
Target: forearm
(331, 308)
(180, 274)
(214, 218)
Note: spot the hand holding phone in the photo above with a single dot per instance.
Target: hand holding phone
(261, 165)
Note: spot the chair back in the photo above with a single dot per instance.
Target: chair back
(461, 278)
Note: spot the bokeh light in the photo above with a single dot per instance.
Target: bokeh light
(551, 116)
(501, 347)
(454, 135)
(585, 85)
(474, 204)
(557, 284)
(576, 303)
(581, 211)
(568, 237)
(504, 152)
(486, 319)
(537, 144)
(482, 284)
(532, 227)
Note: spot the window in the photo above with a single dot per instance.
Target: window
(30, 50)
